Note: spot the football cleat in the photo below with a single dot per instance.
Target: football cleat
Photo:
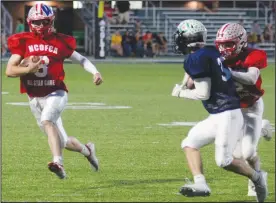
(261, 187)
(57, 169)
(92, 156)
(195, 190)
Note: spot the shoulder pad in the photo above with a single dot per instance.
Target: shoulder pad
(70, 41)
(256, 58)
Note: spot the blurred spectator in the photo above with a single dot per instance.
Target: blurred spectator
(211, 6)
(19, 26)
(129, 43)
(256, 30)
(148, 44)
(162, 42)
(252, 40)
(123, 9)
(268, 34)
(132, 42)
(140, 52)
(155, 44)
(271, 14)
(116, 43)
(138, 24)
(138, 34)
(108, 10)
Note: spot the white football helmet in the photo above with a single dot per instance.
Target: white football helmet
(189, 33)
(41, 19)
(231, 39)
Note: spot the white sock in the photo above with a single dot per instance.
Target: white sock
(85, 151)
(199, 178)
(58, 159)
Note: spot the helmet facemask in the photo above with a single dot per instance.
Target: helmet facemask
(41, 27)
(183, 44)
(227, 49)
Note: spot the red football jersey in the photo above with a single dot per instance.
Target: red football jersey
(57, 47)
(249, 94)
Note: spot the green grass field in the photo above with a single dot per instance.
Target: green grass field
(139, 159)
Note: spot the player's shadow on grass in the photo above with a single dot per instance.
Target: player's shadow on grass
(117, 183)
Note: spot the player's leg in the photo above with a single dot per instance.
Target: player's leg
(229, 132)
(73, 144)
(36, 105)
(200, 135)
(53, 106)
(253, 125)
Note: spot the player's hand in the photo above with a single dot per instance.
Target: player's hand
(34, 67)
(176, 90)
(98, 79)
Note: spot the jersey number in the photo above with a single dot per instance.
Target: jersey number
(42, 72)
(226, 74)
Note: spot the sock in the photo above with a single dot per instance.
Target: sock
(256, 176)
(58, 159)
(85, 151)
(199, 178)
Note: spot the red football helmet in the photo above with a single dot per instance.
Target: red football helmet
(41, 19)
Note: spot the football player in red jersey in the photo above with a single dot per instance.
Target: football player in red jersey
(43, 81)
(245, 65)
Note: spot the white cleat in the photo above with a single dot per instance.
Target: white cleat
(261, 187)
(266, 130)
(195, 190)
(251, 189)
(57, 169)
(92, 157)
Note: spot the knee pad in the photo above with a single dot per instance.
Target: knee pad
(250, 156)
(222, 157)
(249, 152)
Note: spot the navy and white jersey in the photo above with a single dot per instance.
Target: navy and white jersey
(207, 62)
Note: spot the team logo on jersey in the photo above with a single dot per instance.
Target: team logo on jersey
(43, 47)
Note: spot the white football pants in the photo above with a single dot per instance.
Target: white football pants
(49, 108)
(225, 129)
(247, 146)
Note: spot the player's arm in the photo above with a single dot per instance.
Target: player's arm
(14, 70)
(248, 78)
(200, 92)
(88, 66)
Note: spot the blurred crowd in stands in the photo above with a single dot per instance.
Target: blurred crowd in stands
(143, 43)
(146, 44)
(137, 44)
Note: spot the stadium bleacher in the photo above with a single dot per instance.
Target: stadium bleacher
(166, 19)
